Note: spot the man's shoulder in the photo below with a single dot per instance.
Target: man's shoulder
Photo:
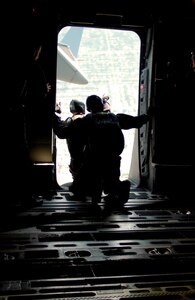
(68, 120)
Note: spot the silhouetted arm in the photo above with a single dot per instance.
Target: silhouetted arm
(128, 121)
(62, 128)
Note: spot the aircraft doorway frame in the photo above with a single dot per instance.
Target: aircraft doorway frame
(124, 95)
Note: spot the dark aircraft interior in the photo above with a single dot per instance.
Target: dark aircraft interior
(52, 247)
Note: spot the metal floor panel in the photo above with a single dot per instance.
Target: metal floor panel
(66, 249)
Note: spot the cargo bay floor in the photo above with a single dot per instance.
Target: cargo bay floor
(66, 249)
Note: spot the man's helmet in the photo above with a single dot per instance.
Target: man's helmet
(77, 107)
(94, 104)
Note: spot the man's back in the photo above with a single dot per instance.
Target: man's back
(105, 136)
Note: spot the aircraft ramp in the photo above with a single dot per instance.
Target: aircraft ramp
(66, 249)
